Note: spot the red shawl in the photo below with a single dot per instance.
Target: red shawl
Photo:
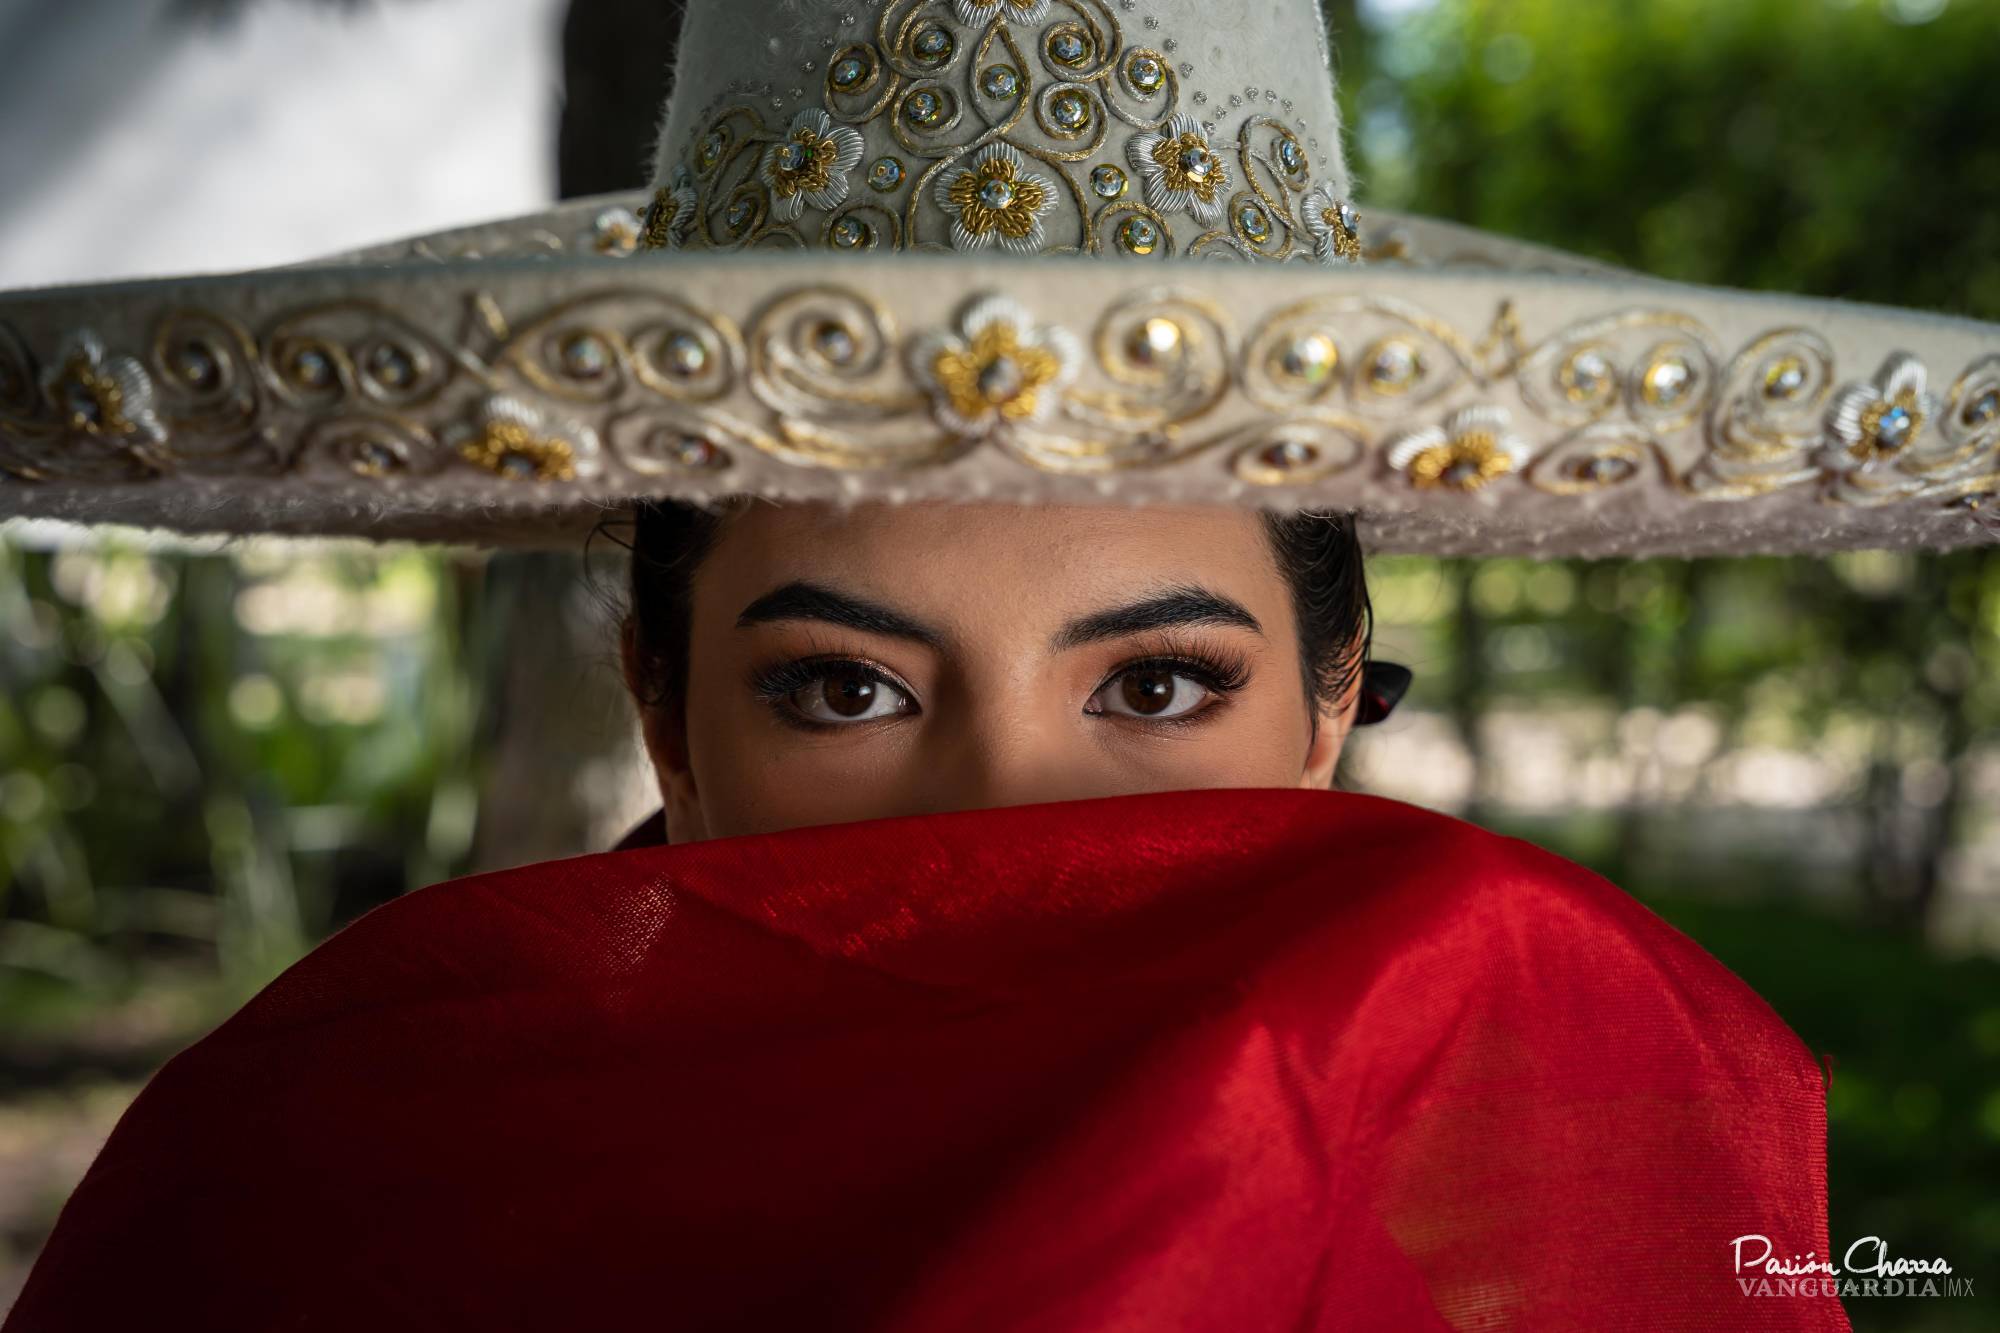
(1222, 1060)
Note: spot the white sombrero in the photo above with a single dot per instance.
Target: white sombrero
(1038, 250)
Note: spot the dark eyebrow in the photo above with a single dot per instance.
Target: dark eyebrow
(799, 600)
(1182, 604)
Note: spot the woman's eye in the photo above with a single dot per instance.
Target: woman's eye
(1151, 692)
(849, 694)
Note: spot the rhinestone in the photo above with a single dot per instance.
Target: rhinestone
(1000, 81)
(392, 367)
(373, 458)
(1288, 454)
(711, 149)
(1197, 162)
(685, 355)
(692, 451)
(925, 107)
(1463, 474)
(794, 156)
(740, 215)
(1349, 219)
(885, 174)
(1604, 469)
(933, 45)
(1070, 111)
(1585, 376)
(1255, 223)
(516, 465)
(1139, 236)
(1895, 427)
(312, 368)
(1146, 73)
(1069, 48)
(1394, 367)
(1290, 156)
(1983, 409)
(999, 380)
(1309, 359)
(834, 342)
(585, 357)
(849, 233)
(1107, 182)
(1785, 379)
(1154, 341)
(996, 194)
(197, 366)
(849, 73)
(1667, 381)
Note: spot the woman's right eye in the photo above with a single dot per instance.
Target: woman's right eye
(844, 694)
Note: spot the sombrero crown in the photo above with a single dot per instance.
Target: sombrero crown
(1037, 250)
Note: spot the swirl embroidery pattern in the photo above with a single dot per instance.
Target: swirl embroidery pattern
(632, 384)
(994, 108)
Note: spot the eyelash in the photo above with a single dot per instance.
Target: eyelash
(1222, 673)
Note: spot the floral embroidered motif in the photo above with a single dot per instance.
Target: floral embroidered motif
(998, 370)
(671, 214)
(1474, 446)
(810, 165)
(511, 439)
(815, 374)
(1868, 424)
(996, 198)
(1334, 226)
(106, 397)
(1180, 171)
(616, 232)
(977, 13)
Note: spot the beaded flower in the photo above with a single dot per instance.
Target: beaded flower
(671, 214)
(1333, 224)
(998, 370)
(510, 439)
(974, 13)
(996, 198)
(1179, 170)
(1869, 423)
(1474, 446)
(107, 397)
(810, 165)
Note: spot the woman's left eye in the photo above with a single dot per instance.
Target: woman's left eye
(1153, 693)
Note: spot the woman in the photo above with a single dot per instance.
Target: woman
(801, 665)
(1008, 963)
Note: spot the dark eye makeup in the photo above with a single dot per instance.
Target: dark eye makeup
(859, 683)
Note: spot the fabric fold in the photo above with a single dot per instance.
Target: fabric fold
(1199, 1060)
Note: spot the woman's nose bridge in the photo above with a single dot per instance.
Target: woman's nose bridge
(997, 756)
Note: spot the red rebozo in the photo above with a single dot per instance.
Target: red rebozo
(1228, 1060)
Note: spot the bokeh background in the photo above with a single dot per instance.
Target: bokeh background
(213, 755)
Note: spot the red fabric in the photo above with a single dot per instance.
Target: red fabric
(1229, 1060)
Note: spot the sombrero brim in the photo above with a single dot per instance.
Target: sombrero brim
(504, 385)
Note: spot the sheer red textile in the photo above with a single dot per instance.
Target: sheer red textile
(1225, 1060)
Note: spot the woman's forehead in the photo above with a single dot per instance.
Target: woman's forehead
(1042, 562)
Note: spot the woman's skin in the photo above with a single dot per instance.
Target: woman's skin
(1002, 631)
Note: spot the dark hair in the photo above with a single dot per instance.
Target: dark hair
(1317, 552)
